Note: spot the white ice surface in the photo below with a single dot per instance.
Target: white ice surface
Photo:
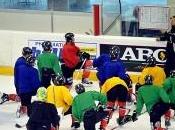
(8, 110)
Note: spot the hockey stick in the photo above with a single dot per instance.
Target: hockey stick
(78, 73)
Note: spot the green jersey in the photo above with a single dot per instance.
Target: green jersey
(169, 86)
(150, 95)
(86, 101)
(48, 60)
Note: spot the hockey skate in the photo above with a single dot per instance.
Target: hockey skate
(75, 125)
(4, 98)
(167, 123)
(21, 111)
(124, 120)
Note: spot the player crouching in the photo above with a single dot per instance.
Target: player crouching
(42, 115)
(84, 107)
(117, 93)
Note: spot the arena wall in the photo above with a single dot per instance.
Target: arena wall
(134, 49)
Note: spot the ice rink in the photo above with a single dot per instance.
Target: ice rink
(8, 110)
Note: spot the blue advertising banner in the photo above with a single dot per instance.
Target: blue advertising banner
(57, 46)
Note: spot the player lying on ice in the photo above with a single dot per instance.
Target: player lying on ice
(8, 97)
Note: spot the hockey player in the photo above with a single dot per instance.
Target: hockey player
(169, 86)
(28, 83)
(170, 52)
(116, 65)
(156, 101)
(155, 71)
(26, 51)
(72, 59)
(84, 107)
(117, 93)
(42, 115)
(48, 64)
(59, 95)
(8, 97)
(86, 68)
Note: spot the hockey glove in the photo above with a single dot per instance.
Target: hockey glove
(134, 116)
(84, 55)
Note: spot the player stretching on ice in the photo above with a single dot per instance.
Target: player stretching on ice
(8, 97)
(42, 115)
(48, 64)
(28, 84)
(109, 68)
(72, 59)
(152, 69)
(117, 93)
(156, 100)
(169, 86)
(84, 107)
(60, 95)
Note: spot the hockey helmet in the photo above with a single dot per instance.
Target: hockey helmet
(69, 37)
(114, 52)
(47, 45)
(172, 74)
(58, 80)
(79, 88)
(30, 60)
(151, 61)
(148, 80)
(42, 94)
(26, 51)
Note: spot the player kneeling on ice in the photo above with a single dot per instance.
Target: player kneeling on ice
(84, 107)
(117, 93)
(8, 97)
(151, 69)
(60, 96)
(156, 100)
(42, 115)
(169, 87)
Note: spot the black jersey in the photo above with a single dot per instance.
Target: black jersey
(42, 113)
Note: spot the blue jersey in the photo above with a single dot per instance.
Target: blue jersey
(99, 64)
(20, 61)
(28, 79)
(114, 68)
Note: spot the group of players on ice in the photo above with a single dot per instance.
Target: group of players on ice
(155, 89)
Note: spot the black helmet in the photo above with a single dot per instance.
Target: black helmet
(69, 37)
(79, 88)
(58, 80)
(30, 60)
(26, 51)
(172, 74)
(114, 52)
(151, 61)
(47, 45)
(148, 79)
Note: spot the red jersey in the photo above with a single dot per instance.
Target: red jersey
(70, 54)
